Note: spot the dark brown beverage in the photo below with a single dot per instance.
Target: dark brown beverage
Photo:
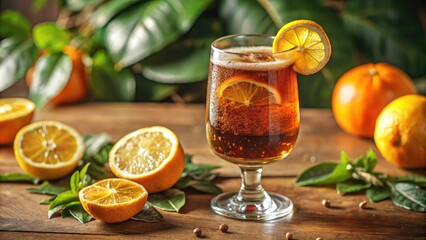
(253, 108)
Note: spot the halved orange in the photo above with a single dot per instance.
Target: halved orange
(305, 43)
(245, 90)
(113, 200)
(14, 114)
(150, 156)
(48, 149)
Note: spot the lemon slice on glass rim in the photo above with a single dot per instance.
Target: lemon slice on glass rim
(305, 43)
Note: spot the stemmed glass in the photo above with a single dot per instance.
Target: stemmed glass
(252, 120)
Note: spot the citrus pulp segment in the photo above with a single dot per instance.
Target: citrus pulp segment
(14, 114)
(307, 43)
(48, 149)
(113, 200)
(246, 91)
(150, 156)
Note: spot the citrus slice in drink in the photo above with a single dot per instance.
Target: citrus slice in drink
(150, 156)
(14, 114)
(113, 200)
(48, 149)
(305, 43)
(245, 90)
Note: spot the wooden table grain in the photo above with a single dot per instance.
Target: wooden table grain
(320, 139)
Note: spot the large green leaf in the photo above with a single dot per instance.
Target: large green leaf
(186, 60)
(51, 74)
(107, 11)
(108, 84)
(241, 16)
(389, 31)
(14, 24)
(15, 59)
(148, 27)
(267, 16)
(179, 64)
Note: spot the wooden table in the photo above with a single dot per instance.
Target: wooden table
(320, 139)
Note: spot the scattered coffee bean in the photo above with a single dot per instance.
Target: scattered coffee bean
(363, 205)
(289, 236)
(318, 238)
(197, 232)
(326, 203)
(223, 228)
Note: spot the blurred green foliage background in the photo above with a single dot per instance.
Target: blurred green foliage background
(158, 50)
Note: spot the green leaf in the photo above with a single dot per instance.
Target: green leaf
(148, 214)
(67, 207)
(63, 199)
(48, 188)
(269, 16)
(184, 65)
(83, 172)
(54, 210)
(315, 174)
(77, 211)
(107, 11)
(51, 74)
(171, 200)
(151, 24)
(75, 181)
(409, 196)
(14, 24)
(18, 177)
(108, 84)
(378, 193)
(351, 185)
(193, 169)
(389, 31)
(199, 185)
(185, 60)
(325, 173)
(367, 162)
(16, 58)
(50, 36)
(47, 201)
(412, 178)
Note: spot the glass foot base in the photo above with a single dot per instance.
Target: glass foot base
(275, 206)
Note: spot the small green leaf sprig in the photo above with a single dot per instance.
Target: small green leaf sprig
(404, 191)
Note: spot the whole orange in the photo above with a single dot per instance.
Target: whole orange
(76, 88)
(400, 133)
(361, 93)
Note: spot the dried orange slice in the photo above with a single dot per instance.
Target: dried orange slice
(113, 200)
(150, 156)
(48, 149)
(14, 114)
(305, 43)
(245, 90)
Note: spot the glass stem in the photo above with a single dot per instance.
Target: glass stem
(251, 190)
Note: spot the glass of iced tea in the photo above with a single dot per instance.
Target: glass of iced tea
(252, 119)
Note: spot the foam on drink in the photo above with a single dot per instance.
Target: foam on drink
(250, 58)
